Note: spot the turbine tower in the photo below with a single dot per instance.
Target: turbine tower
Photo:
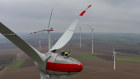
(39, 43)
(114, 56)
(80, 36)
(92, 30)
(49, 30)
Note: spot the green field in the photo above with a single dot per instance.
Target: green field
(15, 65)
(128, 59)
(87, 56)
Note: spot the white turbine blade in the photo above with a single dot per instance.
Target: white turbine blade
(91, 27)
(39, 31)
(114, 52)
(29, 50)
(50, 19)
(68, 33)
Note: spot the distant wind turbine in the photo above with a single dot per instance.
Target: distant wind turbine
(92, 30)
(114, 55)
(49, 29)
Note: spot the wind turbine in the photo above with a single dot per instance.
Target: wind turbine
(39, 43)
(52, 65)
(92, 30)
(114, 55)
(80, 36)
(49, 30)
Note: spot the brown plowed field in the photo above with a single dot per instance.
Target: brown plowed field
(93, 69)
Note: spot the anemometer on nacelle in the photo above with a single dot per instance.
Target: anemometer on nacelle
(62, 53)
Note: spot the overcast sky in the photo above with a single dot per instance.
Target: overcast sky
(117, 16)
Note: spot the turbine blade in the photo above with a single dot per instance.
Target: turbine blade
(39, 31)
(91, 27)
(69, 32)
(50, 19)
(29, 50)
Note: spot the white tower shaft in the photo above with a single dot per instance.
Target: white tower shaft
(49, 40)
(80, 39)
(92, 30)
(114, 61)
(40, 45)
(92, 41)
(114, 54)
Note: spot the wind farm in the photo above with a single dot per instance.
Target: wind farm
(98, 66)
(109, 50)
(51, 65)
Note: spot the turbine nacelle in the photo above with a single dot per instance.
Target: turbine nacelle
(57, 64)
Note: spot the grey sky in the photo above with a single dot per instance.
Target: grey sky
(121, 16)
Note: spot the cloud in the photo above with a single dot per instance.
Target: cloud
(108, 15)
